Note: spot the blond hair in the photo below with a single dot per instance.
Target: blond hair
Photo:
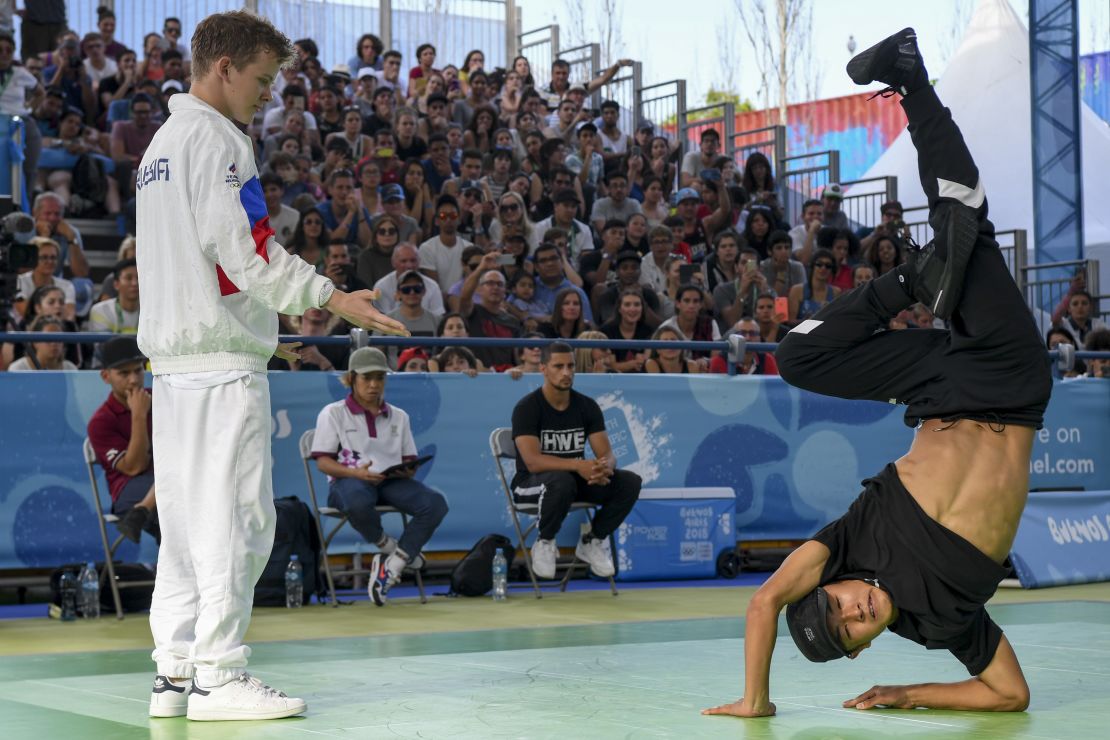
(583, 356)
(239, 35)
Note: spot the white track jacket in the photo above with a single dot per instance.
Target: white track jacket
(211, 276)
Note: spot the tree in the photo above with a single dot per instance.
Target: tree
(596, 21)
(949, 40)
(779, 33)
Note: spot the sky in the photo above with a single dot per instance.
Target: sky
(684, 45)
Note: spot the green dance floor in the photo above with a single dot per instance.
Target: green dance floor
(639, 679)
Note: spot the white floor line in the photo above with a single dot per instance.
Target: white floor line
(86, 691)
(873, 714)
(1060, 647)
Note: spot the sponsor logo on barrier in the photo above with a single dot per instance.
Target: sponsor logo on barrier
(1078, 531)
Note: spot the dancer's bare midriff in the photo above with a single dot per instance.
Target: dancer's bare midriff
(971, 479)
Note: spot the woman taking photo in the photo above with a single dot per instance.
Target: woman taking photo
(673, 361)
(628, 324)
(807, 299)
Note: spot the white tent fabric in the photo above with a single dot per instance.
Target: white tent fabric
(986, 85)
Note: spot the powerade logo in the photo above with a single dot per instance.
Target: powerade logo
(156, 171)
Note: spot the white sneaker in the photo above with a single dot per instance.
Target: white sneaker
(387, 545)
(598, 554)
(169, 699)
(544, 555)
(243, 698)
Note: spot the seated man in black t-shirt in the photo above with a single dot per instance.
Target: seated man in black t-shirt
(551, 427)
(925, 545)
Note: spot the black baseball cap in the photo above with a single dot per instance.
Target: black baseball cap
(566, 195)
(809, 626)
(120, 351)
(628, 255)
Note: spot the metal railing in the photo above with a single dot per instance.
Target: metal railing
(733, 348)
(802, 177)
(864, 199)
(541, 47)
(584, 61)
(624, 88)
(664, 104)
(720, 117)
(770, 141)
(1045, 285)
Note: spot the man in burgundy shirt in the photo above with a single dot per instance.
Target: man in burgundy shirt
(120, 435)
(131, 138)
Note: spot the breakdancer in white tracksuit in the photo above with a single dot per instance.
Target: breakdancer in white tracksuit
(213, 280)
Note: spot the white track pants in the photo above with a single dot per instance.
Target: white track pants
(216, 510)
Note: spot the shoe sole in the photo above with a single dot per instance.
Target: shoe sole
(859, 66)
(593, 569)
(164, 712)
(223, 715)
(962, 231)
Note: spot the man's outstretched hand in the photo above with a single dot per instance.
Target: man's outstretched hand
(739, 708)
(358, 309)
(886, 696)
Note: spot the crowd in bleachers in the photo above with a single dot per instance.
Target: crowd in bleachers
(478, 202)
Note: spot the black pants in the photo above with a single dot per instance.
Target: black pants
(991, 365)
(556, 490)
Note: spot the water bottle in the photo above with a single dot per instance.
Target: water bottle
(294, 583)
(500, 575)
(89, 583)
(67, 586)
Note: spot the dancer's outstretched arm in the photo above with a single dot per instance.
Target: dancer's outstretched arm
(799, 574)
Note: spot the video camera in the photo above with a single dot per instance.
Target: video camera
(16, 253)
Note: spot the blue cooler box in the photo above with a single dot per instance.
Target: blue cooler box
(675, 533)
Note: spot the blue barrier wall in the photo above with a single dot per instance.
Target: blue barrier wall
(793, 458)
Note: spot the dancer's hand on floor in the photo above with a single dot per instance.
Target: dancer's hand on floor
(886, 696)
(739, 708)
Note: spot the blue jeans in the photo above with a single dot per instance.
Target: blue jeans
(357, 499)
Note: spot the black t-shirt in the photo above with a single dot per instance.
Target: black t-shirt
(416, 149)
(608, 303)
(562, 434)
(938, 580)
(612, 329)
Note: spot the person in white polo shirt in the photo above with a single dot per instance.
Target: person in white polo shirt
(356, 441)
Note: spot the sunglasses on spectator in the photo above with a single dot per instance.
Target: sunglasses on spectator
(411, 289)
(343, 172)
(48, 258)
(387, 231)
(510, 207)
(822, 263)
(448, 216)
(473, 265)
(546, 260)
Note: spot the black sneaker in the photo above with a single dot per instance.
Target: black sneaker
(895, 60)
(132, 523)
(940, 281)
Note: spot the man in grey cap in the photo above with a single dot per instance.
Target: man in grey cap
(363, 445)
(120, 433)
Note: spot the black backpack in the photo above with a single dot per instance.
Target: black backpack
(295, 535)
(473, 576)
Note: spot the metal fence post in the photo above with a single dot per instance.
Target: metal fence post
(834, 165)
(1021, 256)
(637, 97)
(512, 45)
(779, 152)
(385, 22)
(554, 42)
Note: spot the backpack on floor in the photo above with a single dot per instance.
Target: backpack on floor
(473, 576)
(295, 534)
